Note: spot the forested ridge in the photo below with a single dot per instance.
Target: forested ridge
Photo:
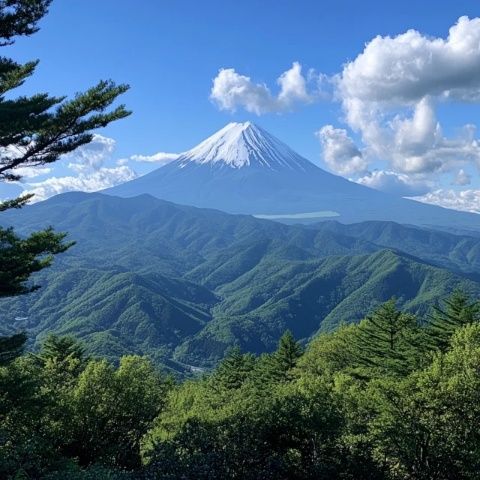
(182, 284)
(393, 397)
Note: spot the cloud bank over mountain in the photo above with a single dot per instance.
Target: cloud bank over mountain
(90, 168)
(388, 134)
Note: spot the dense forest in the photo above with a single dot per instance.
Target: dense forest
(392, 397)
(182, 285)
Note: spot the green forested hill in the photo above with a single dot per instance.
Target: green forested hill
(182, 284)
(457, 252)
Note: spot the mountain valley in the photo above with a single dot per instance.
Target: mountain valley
(183, 284)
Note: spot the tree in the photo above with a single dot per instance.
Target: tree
(288, 352)
(37, 130)
(113, 409)
(426, 423)
(63, 348)
(387, 340)
(233, 370)
(278, 366)
(62, 359)
(457, 310)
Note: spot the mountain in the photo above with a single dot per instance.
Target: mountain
(455, 252)
(182, 284)
(244, 169)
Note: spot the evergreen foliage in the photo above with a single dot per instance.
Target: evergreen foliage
(234, 370)
(331, 411)
(37, 130)
(386, 340)
(456, 311)
(11, 347)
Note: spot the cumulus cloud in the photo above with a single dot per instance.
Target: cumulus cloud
(340, 152)
(32, 172)
(395, 183)
(390, 90)
(419, 146)
(410, 66)
(293, 87)
(99, 179)
(231, 90)
(466, 200)
(462, 178)
(93, 154)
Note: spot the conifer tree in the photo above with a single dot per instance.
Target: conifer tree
(234, 369)
(64, 354)
(457, 310)
(36, 130)
(62, 348)
(277, 366)
(385, 339)
(288, 352)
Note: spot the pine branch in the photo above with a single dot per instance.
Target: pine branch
(20, 18)
(16, 202)
(66, 129)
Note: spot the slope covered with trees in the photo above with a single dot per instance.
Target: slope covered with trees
(183, 284)
(393, 397)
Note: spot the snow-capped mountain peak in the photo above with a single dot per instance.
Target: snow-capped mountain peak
(239, 145)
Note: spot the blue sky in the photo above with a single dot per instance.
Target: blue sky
(170, 52)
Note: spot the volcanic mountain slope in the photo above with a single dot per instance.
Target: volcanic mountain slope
(183, 284)
(244, 169)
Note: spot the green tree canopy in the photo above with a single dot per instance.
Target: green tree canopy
(457, 310)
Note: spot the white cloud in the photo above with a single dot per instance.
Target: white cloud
(410, 66)
(466, 200)
(93, 154)
(160, 157)
(396, 183)
(293, 87)
(32, 172)
(419, 145)
(231, 90)
(98, 179)
(462, 178)
(410, 73)
(340, 152)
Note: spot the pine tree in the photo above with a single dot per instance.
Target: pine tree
(386, 339)
(37, 130)
(278, 366)
(234, 369)
(288, 352)
(457, 310)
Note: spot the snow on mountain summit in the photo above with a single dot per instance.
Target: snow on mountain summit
(240, 145)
